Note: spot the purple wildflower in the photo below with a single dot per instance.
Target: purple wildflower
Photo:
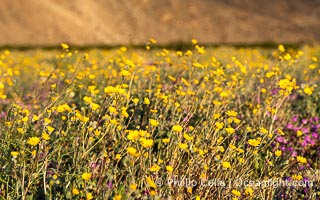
(289, 126)
(294, 118)
(280, 139)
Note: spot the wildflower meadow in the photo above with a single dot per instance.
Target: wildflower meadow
(153, 123)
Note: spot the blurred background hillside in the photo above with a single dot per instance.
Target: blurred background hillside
(113, 22)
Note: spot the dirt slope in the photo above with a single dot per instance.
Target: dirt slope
(87, 22)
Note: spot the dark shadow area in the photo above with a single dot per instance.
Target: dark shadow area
(179, 46)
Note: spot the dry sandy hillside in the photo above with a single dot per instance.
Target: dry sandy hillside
(90, 22)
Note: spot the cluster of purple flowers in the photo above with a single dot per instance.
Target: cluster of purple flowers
(302, 138)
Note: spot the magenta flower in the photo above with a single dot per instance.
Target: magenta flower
(294, 154)
(289, 126)
(294, 118)
(305, 130)
(280, 139)
(315, 135)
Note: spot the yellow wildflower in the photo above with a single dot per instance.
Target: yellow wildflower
(50, 129)
(254, 142)
(35, 118)
(146, 143)
(135, 100)
(152, 192)
(125, 73)
(124, 113)
(150, 182)
(236, 120)
(248, 191)
(133, 187)
(45, 136)
(155, 168)
(189, 190)
(132, 151)
(118, 157)
(166, 140)
(109, 89)
(183, 146)
(169, 168)
(86, 176)
(14, 154)
(281, 48)
(226, 165)
(64, 46)
(133, 135)
(231, 113)
(187, 137)
(89, 196)
(278, 153)
(153, 122)
(94, 106)
(33, 141)
(297, 177)
(47, 121)
(219, 125)
(177, 128)
(301, 159)
(21, 130)
(146, 101)
(24, 119)
(287, 85)
(113, 110)
(280, 132)
(263, 130)
(236, 193)
(75, 191)
(307, 90)
(299, 133)
(230, 130)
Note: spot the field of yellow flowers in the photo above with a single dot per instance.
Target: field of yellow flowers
(204, 123)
